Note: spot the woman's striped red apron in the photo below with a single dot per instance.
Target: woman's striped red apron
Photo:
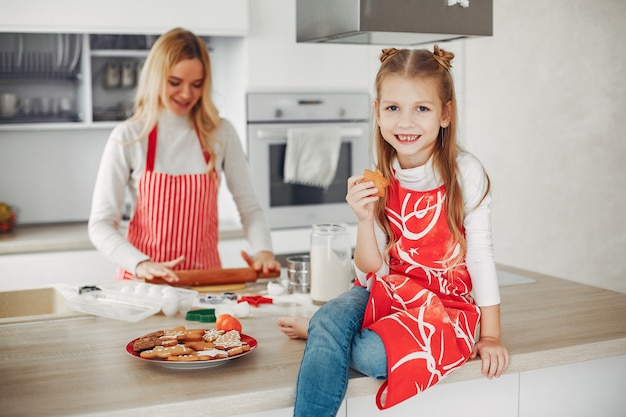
(422, 310)
(175, 215)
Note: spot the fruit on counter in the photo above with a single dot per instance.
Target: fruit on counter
(227, 323)
(7, 218)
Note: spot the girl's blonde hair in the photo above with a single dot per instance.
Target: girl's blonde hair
(168, 50)
(422, 64)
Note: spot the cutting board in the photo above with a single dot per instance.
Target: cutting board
(219, 288)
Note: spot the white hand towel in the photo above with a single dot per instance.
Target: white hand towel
(312, 155)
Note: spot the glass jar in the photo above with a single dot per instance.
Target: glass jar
(331, 258)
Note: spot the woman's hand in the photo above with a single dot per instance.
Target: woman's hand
(263, 261)
(361, 197)
(149, 270)
(494, 355)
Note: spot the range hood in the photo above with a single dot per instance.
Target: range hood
(392, 22)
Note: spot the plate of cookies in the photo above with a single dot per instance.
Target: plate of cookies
(182, 348)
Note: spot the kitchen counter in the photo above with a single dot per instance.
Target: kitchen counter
(79, 366)
(65, 236)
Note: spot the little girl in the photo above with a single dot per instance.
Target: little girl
(420, 251)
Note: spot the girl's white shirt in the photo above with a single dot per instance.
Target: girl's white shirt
(178, 152)
(477, 223)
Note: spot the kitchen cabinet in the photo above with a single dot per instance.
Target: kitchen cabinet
(36, 270)
(64, 80)
(474, 398)
(209, 17)
(578, 389)
(588, 388)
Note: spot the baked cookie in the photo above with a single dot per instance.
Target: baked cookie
(148, 341)
(162, 352)
(379, 181)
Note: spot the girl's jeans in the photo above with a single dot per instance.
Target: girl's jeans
(335, 341)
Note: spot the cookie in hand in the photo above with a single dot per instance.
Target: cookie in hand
(379, 181)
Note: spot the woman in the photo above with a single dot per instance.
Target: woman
(168, 158)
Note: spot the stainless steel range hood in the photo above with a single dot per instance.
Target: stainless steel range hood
(392, 22)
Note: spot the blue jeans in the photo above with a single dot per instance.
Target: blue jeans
(335, 342)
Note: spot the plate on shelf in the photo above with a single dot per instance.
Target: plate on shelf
(193, 364)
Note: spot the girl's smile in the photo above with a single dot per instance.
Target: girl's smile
(409, 114)
(407, 138)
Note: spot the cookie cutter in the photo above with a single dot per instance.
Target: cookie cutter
(206, 315)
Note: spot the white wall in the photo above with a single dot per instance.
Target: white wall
(277, 63)
(545, 102)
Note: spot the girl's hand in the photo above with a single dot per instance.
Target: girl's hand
(263, 261)
(494, 355)
(361, 197)
(149, 270)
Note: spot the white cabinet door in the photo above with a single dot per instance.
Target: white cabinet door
(475, 398)
(288, 412)
(208, 17)
(592, 388)
(36, 270)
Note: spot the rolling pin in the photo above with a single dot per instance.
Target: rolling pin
(194, 278)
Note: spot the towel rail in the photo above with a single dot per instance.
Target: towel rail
(281, 133)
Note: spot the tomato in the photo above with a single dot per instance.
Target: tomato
(227, 323)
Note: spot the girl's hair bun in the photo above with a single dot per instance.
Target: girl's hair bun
(443, 57)
(387, 54)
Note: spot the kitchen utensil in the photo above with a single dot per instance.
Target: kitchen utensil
(128, 74)
(9, 104)
(299, 274)
(112, 75)
(193, 278)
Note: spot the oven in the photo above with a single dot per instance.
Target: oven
(270, 116)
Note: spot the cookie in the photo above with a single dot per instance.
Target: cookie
(187, 358)
(379, 181)
(212, 334)
(213, 354)
(162, 352)
(200, 345)
(148, 341)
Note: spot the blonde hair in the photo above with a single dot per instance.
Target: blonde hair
(169, 49)
(422, 64)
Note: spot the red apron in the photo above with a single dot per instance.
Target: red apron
(175, 215)
(422, 310)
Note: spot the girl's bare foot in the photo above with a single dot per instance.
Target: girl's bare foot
(296, 327)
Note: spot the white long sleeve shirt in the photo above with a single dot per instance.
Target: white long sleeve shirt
(477, 223)
(178, 152)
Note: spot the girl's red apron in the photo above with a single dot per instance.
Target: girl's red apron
(175, 215)
(422, 310)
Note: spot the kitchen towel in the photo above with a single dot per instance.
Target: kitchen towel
(312, 155)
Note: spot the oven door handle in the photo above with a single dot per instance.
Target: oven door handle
(281, 133)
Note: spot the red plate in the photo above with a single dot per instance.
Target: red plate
(194, 364)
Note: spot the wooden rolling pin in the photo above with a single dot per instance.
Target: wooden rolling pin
(193, 278)
(201, 277)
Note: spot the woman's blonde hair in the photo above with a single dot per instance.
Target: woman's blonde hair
(168, 50)
(422, 64)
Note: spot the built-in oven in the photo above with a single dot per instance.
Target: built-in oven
(270, 116)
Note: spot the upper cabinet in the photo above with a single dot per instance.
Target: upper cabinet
(76, 64)
(206, 17)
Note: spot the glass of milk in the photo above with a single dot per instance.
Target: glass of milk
(331, 261)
